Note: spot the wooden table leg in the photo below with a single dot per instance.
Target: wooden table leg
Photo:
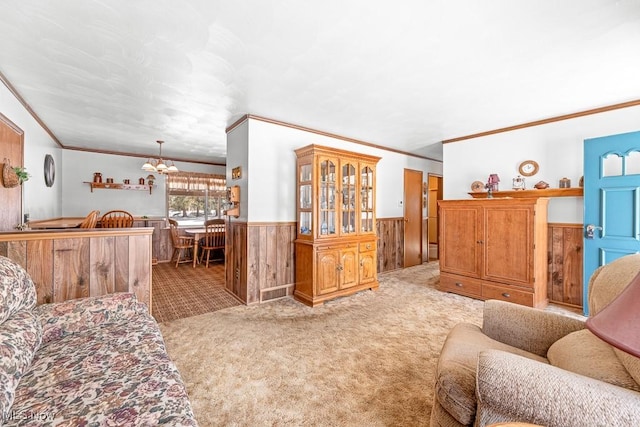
(195, 250)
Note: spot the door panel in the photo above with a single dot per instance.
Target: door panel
(459, 237)
(611, 201)
(327, 274)
(367, 266)
(11, 149)
(349, 270)
(508, 254)
(412, 217)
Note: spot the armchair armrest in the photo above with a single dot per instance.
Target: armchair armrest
(514, 388)
(72, 316)
(527, 328)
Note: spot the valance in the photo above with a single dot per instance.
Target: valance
(195, 182)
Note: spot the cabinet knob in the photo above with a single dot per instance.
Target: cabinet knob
(458, 284)
(479, 242)
(506, 294)
(339, 267)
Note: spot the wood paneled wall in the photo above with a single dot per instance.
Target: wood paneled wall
(390, 243)
(564, 284)
(260, 260)
(75, 264)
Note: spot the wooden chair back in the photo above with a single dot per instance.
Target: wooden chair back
(214, 234)
(116, 219)
(177, 240)
(91, 220)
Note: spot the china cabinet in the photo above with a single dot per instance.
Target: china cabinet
(495, 249)
(336, 237)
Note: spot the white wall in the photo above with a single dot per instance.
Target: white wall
(271, 163)
(557, 147)
(237, 156)
(78, 199)
(38, 199)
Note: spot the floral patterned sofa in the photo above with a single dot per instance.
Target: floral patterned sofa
(91, 362)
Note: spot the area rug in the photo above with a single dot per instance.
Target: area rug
(186, 291)
(363, 360)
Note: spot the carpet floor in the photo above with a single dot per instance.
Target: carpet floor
(367, 359)
(186, 291)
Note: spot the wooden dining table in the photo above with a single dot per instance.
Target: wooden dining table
(197, 233)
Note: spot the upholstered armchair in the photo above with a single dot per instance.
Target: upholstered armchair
(539, 367)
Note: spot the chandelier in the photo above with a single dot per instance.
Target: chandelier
(159, 165)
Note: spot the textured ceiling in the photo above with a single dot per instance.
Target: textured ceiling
(117, 75)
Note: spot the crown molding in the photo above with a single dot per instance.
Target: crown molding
(547, 121)
(322, 133)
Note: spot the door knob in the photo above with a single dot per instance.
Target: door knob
(591, 230)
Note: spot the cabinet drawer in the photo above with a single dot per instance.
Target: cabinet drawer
(460, 284)
(506, 293)
(367, 246)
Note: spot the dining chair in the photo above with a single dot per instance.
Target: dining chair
(181, 244)
(116, 219)
(213, 238)
(91, 220)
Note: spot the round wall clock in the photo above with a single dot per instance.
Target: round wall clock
(528, 168)
(49, 170)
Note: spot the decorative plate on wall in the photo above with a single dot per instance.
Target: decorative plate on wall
(477, 186)
(49, 170)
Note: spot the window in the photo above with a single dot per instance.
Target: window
(193, 198)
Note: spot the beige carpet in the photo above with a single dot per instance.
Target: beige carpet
(363, 360)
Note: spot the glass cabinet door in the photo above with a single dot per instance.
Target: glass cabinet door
(366, 199)
(348, 198)
(306, 200)
(327, 197)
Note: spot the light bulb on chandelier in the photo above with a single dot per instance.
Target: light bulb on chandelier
(159, 165)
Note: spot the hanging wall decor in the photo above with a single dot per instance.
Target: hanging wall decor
(49, 170)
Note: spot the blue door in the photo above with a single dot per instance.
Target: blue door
(611, 201)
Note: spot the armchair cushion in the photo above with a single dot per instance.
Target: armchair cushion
(584, 353)
(73, 316)
(631, 363)
(456, 371)
(17, 291)
(527, 328)
(512, 388)
(20, 337)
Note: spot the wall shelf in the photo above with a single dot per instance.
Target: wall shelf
(547, 192)
(118, 186)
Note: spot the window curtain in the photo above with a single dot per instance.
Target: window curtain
(190, 183)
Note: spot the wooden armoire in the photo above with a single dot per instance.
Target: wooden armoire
(495, 249)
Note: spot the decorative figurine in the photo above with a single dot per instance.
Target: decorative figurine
(565, 183)
(492, 184)
(518, 183)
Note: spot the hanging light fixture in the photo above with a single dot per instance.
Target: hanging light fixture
(159, 165)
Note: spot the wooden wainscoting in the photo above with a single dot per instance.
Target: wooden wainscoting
(76, 263)
(390, 243)
(565, 264)
(260, 260)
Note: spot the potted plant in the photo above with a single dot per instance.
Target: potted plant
(22, 174)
